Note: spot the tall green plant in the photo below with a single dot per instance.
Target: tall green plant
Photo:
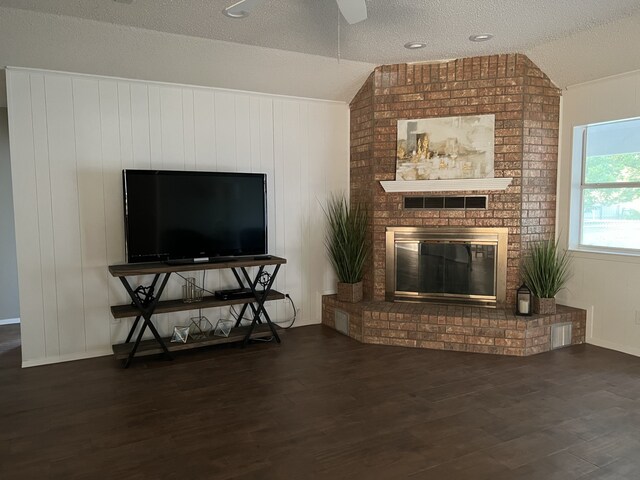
(346, 238)
(546, 269)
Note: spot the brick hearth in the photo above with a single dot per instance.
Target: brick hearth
(449, 327)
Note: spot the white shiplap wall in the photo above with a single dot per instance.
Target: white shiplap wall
(71, 135)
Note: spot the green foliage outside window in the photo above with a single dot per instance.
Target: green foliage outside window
(616, 168)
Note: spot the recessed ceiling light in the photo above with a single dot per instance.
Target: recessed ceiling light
(482, 37)
(414, 45)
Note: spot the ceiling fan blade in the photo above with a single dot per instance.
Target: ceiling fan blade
(353, 11)
(240, 9)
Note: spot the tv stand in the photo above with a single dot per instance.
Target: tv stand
(145, 305)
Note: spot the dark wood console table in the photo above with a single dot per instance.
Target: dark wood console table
(146, 302)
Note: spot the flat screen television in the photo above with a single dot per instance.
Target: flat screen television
(183, 215)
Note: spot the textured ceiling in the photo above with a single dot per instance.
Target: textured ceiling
(589, 55)
(311, 26)
(58, 42)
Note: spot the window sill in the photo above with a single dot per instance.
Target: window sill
(623, 256)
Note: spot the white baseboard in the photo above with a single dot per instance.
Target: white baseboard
(10, 321)
(67, 358)
(614, 346)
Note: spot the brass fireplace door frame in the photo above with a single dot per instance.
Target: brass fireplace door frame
(481, 235)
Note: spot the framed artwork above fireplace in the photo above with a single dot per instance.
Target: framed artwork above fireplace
(447, 148)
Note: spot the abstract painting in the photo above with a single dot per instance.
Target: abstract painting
(445, 148)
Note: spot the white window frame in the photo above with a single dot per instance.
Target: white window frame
(579, 158)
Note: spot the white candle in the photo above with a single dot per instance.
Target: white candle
(523, 306)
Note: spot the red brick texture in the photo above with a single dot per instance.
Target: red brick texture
(449, 327)
(526, 106)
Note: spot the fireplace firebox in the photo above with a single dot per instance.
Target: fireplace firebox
(446, 265)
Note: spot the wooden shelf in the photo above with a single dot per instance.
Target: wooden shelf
(158, 344)
(129, 269)
(465, 184)
(168, 306)
(152, 347)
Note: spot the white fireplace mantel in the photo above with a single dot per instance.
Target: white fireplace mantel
(458, 185)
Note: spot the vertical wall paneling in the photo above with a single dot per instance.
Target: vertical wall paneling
(305, 147)
(225, 127)
(45, 215)
(71, 136)
(155, 126)
(294, 151)
(172, 130)
(140, 126)
(254, 128)
(25, 198)
(66, 213)
(204, 133)
(316, 181)
(243, 133)
(278, 246)
(189, 144)
(126, 129)
(86, 114)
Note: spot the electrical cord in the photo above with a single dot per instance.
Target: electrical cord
(295, 314)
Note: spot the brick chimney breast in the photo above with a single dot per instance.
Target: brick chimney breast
(526, 106)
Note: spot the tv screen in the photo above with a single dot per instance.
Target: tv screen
(174, 215)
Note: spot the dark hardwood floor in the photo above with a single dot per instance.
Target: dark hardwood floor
(322, 406)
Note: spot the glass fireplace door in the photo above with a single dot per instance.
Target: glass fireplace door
(450, 269)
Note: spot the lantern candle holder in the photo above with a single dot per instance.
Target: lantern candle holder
(524, 301)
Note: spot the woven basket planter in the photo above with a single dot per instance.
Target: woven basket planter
(350, 292)
(544, 306)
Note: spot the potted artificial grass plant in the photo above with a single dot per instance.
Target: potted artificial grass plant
(546, 271)
(347, 246)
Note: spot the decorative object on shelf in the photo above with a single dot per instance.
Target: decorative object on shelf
(545, 271)
(223, 327)
(445, 148)
(180, 334)
(523, 300)
(346, 242)
(200, 327)
(191, 292)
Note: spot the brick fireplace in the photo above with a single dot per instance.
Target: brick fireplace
(526, 106)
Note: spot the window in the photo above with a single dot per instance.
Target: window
(607, 207)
